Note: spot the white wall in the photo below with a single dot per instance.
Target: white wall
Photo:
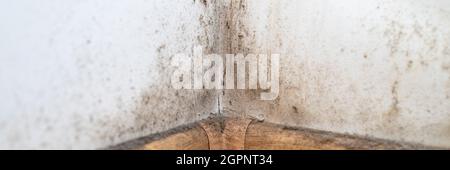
(85, 74)
(374, 68)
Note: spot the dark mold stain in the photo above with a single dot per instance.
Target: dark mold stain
(160, 48)
(295, 109)
(394, 110)
(410, 64)
(423, 63)
(395, 35)
(204, 2)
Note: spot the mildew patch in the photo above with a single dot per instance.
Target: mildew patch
(377, 69)
(394, 109)
(160, 107)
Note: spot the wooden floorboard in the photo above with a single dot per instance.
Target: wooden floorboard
(232, 133)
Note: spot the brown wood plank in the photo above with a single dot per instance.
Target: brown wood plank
(267, 136)
(233, 133)
(192, 139)
(226, 133)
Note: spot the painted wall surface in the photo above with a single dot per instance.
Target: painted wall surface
(87, 74)
(373, 68)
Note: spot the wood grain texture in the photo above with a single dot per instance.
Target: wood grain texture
(233, 133)
(226, 133)
(192, 139)
(188, 137)
(267, 136)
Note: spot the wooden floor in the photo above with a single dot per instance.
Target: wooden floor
(224, 133)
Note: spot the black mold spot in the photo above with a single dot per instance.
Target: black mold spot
(394, 107)
(424, 63)
(146, 100)
(295, 109)
(410, 63)
(289, 128)
(205, 2)
(160, 48)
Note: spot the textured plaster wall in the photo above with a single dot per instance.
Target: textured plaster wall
(86, 74)
(374, 68)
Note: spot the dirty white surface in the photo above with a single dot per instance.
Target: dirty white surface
(86, 74)
(373, 68)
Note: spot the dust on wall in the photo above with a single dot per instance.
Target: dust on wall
(90, 74)
(374, 68)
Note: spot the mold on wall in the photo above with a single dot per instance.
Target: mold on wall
(374, 68)
(90, 74)
(237, 102)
